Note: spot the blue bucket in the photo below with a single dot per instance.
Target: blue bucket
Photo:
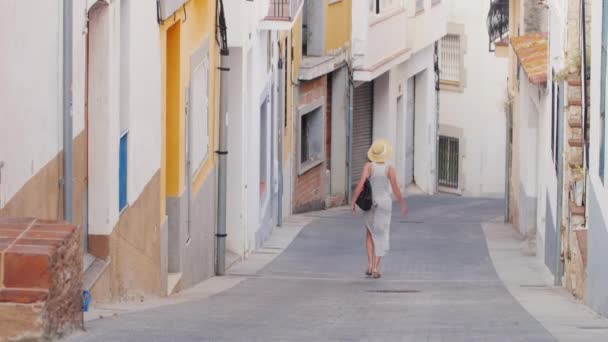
(86, 300)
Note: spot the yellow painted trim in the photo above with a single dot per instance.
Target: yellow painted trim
(337, 25)
(197, 23)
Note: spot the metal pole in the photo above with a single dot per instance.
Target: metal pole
(508, 159)
(560, 189)
(349, 135)
(437, 99)
(281, 110)
(67, 112)
(222, 152)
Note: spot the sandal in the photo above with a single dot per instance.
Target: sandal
(376, 275)
(368, 273)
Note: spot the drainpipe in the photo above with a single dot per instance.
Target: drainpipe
(222, 153)
(557, 281)
(508, 159)
(437, 99)
(281, 110)
(349, 134)
(67, 111)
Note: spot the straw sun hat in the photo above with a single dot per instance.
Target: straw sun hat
(380, 151)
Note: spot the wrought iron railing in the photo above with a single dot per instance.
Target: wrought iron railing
(498, 21)
(283, 9)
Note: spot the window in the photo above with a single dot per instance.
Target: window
(602, 159)
(419, 6)
(382, 6)
(451, 60)
(199, 115)
(311, 139)
(122, 171)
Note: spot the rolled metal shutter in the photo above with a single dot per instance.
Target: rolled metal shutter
(363, 104)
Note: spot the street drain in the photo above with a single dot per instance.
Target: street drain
(593, 328)
(393, 291)
(534, 286)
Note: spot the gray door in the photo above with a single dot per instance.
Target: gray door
(409, 130)
(362, 127)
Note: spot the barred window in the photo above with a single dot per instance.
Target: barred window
(450, 59)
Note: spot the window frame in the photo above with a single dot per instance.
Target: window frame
(461, 84)
(316, 107)
(123, 171)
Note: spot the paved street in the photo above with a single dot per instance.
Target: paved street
(438, 284)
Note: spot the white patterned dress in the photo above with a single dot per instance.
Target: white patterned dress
(378, 218)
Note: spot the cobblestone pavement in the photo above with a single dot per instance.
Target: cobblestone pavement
(438, 284)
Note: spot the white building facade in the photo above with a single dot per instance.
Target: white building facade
(254, 100)
(394, 94)
(472, 123)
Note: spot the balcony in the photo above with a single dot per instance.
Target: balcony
(428, 24)
(281, 14)
(374, 21)
(388, 32)
(168, 7)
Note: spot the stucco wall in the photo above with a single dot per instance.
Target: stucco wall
(31, 91)
(338, 22)
(479, 109)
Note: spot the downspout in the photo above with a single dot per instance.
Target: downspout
(349, 134)
(281, 64)
(584, 111)
(67, 113)
(437, 92)
(560, 192)
(222, 152)
(508, 159)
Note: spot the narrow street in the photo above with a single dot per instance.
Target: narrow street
(438, 284)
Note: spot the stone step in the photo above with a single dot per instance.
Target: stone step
(575, 142)
(576, 210)
(41, 272)
(575, 122)
(581, 239)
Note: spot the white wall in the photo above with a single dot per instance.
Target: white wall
(254, 84)
(600, 189)
(479, 110)
(387, 88)
(31, 91)
(124, 78)
(141, 65)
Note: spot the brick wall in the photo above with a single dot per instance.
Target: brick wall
(309, 188)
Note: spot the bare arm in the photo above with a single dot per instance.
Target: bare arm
(393, 180)
(359, 188)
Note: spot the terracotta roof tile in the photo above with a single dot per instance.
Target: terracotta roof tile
(531, 50)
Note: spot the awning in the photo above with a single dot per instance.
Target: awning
(531, 50)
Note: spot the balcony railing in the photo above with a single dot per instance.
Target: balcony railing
(498, 21)
(283, 9)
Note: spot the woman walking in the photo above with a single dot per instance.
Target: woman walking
(378, 219)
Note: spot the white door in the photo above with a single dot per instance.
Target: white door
(409, 130)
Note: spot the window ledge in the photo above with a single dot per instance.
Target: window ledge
(309, 165)
(384, 16)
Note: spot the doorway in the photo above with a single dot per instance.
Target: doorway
(410, 121)
(174, 160)
(97, 112)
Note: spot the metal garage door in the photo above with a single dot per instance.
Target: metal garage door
(362, 127)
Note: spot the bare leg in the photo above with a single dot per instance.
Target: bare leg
(377, 264)
(369, 243)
